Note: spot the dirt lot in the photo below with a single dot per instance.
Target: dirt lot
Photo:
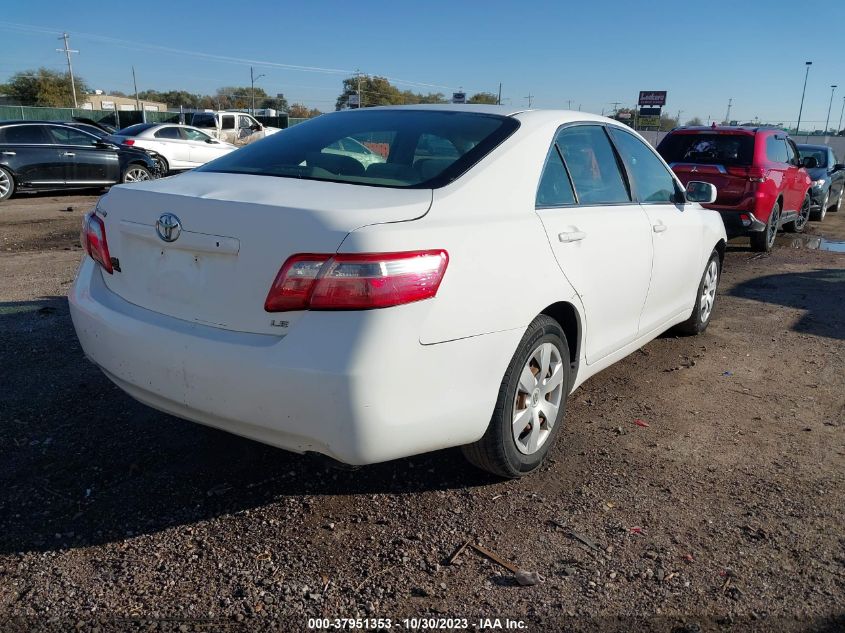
(724, 513)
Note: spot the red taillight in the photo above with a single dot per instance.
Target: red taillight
(129, 141)
(356, 282)
(94, 240)
(752, 174)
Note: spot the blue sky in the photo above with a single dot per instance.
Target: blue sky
(592, 53)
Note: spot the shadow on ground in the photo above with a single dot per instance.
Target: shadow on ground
(820, 292)
(81, 463)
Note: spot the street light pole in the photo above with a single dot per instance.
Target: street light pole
(252, 79)
(841, 112)
(829, 106)
(803, 92)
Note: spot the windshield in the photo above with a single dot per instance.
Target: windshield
(816, 152)
(406, 148)
(708, 149)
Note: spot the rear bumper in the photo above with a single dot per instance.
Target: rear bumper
(740, 222)
(356, 386)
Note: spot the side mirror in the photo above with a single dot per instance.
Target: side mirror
(256, 128)
(104, 145)
(809, 162)
(838, 167)
(702, 192)
(211, 141)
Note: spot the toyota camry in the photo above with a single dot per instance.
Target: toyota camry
(453, 294)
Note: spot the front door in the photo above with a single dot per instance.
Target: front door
(86, 164)
(600, 236)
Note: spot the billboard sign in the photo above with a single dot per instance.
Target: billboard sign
(352, 100)
(649, 111)
(649, 121)
(652, 98)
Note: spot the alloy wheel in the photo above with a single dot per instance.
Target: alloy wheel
(803, 215)
(538, 398)
(136, 174)
(5, 184)
(708, 290)
(772, 229)
(825, 204)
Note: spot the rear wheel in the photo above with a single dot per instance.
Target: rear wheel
(763, 241)
(136, 173)
(7, 184)
(530, 407)
(705, 299)
(797, 225)
(819, 215)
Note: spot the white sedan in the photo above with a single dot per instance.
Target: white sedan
(179, 147)
(453, 295)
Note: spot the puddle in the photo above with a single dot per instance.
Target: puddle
(812, 242)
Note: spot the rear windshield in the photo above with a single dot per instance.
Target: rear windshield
(134, 130)
(819, 153)
(708, 149)
(387, 148)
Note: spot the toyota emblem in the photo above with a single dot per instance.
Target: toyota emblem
(168, 227)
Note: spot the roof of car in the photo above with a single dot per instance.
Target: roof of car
(453, 107)
(808, 146)
(740, 129)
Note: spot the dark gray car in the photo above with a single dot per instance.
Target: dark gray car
(828, 188)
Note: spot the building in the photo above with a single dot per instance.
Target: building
(100, 101)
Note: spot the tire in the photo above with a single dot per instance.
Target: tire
(136, 173)
(838, 206)
(762, 241)
(7, 184)
(705, 299)
(818, 216)
(510, 453)
(163, 166)
(800, 223)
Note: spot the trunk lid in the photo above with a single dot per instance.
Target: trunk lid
(732, 184)
(235, 232)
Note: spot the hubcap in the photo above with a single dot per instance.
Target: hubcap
(5, 184)
(773, 226)
(802, 218)
(825, 204)
(538, 398)
(136, 175)
(708, 290)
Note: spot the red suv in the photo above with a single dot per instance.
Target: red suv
(759, 179)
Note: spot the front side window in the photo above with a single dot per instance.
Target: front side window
(24, 135)
(652, 181)
(592, 165)
(71, 136)
(195, 135)
(791, 153)
(776, 150)
(555, 190)
(309, 150)
(169, 133)
(245, 122)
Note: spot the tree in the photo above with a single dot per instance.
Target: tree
(45, 87)
(300, 111)
(484, 97)
(276, 103)
(376, 91)
(695, 121)
(667, 122)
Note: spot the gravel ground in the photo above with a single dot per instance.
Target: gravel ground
(724, 513)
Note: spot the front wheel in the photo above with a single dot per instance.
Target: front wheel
(705, 299)
(7, 185)
(136, 173)
(819, 215)
(838, 204)
(797, 225)
(530, 407)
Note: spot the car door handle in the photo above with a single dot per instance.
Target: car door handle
(571, 236)
(659, 228)
(9, 153)
(68, 154)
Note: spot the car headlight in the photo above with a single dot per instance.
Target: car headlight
(819, 183)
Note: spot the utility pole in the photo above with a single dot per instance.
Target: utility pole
(252, 79)
(803, 92)
(137, 102)
(67, 51)
(499, 98)
(728, 115)
(827, 121)
(569, 104)
(680, 112)
(841, 112)
(358, 77)
(530, 98)
(615, 105)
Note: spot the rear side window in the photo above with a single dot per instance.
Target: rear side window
(652, 181)
(227, 122)
(24, 135)
(70, 136)
(204, 120)
(555, 190)
(708, 149)
(406, 148)
(169, 132)
(776, 150)
(592, 165)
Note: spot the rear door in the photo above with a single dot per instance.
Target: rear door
(675, 232)
(173, 146)
(600, 236)
(29, 152)
(85, 163)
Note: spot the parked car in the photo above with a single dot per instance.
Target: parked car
(291, 295)
(757, 173)
(178, 147)
(38, 155)
(237, 128)
(828, 178)
(354, 149)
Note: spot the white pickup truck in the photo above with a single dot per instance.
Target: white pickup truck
(237, 128)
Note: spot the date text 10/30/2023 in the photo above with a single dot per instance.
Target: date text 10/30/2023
(417, 624)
